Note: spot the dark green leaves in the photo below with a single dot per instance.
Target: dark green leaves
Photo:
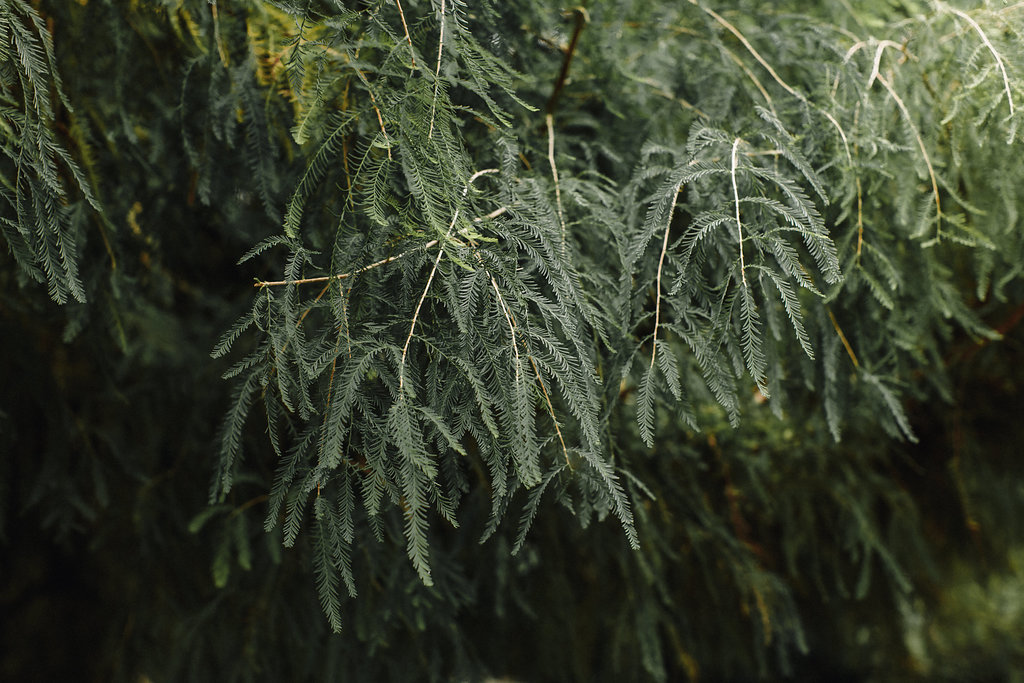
(470, 298)
(41, 182)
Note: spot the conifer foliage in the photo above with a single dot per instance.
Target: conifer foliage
(670, 266)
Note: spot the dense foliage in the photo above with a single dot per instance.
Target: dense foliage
(645, 339)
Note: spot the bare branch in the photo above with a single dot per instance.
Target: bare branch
(405, 26)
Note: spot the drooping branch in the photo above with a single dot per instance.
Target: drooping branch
(984, 38)
(383, 262)
(342, 276)
(774, 74)
(430, 280)
(920, 143)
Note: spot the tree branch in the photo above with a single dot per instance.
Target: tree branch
(582, 19)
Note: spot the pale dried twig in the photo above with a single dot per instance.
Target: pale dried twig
(412, 55)
(920, 142)
(510, 321)
(778, 79)
(554, 174)
(750, 48)
(661, 261)
(342, 276)
(736, 197)
(437, 71)
(984, 38)
(882, 44)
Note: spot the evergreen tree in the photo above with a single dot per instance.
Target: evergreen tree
(643, 340)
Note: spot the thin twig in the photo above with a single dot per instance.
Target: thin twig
(882, 44)
(551, 411)
(582, 18)
(416, 314)
(661, 261)
(920, 143)
(218, 38)
(510, 319)
(515, 348)
(493, 214)
(661, 91)
(554, 174)
(860, 217)
(330, 385)
(380, 119)
(736, 197)
(437, 72)
(315, 300)
(750, 74)
(305, 313)
(984, 38)
(778, 79)
(750, 48)
(511, 323)
(430, 279)
(405, 26)
(342, 276)
(860, 191)
(842, 338)
(842, 134)
(106, 243)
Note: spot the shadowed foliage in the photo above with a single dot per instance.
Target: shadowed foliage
(433, 340)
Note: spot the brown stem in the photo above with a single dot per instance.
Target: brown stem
(582, 17)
